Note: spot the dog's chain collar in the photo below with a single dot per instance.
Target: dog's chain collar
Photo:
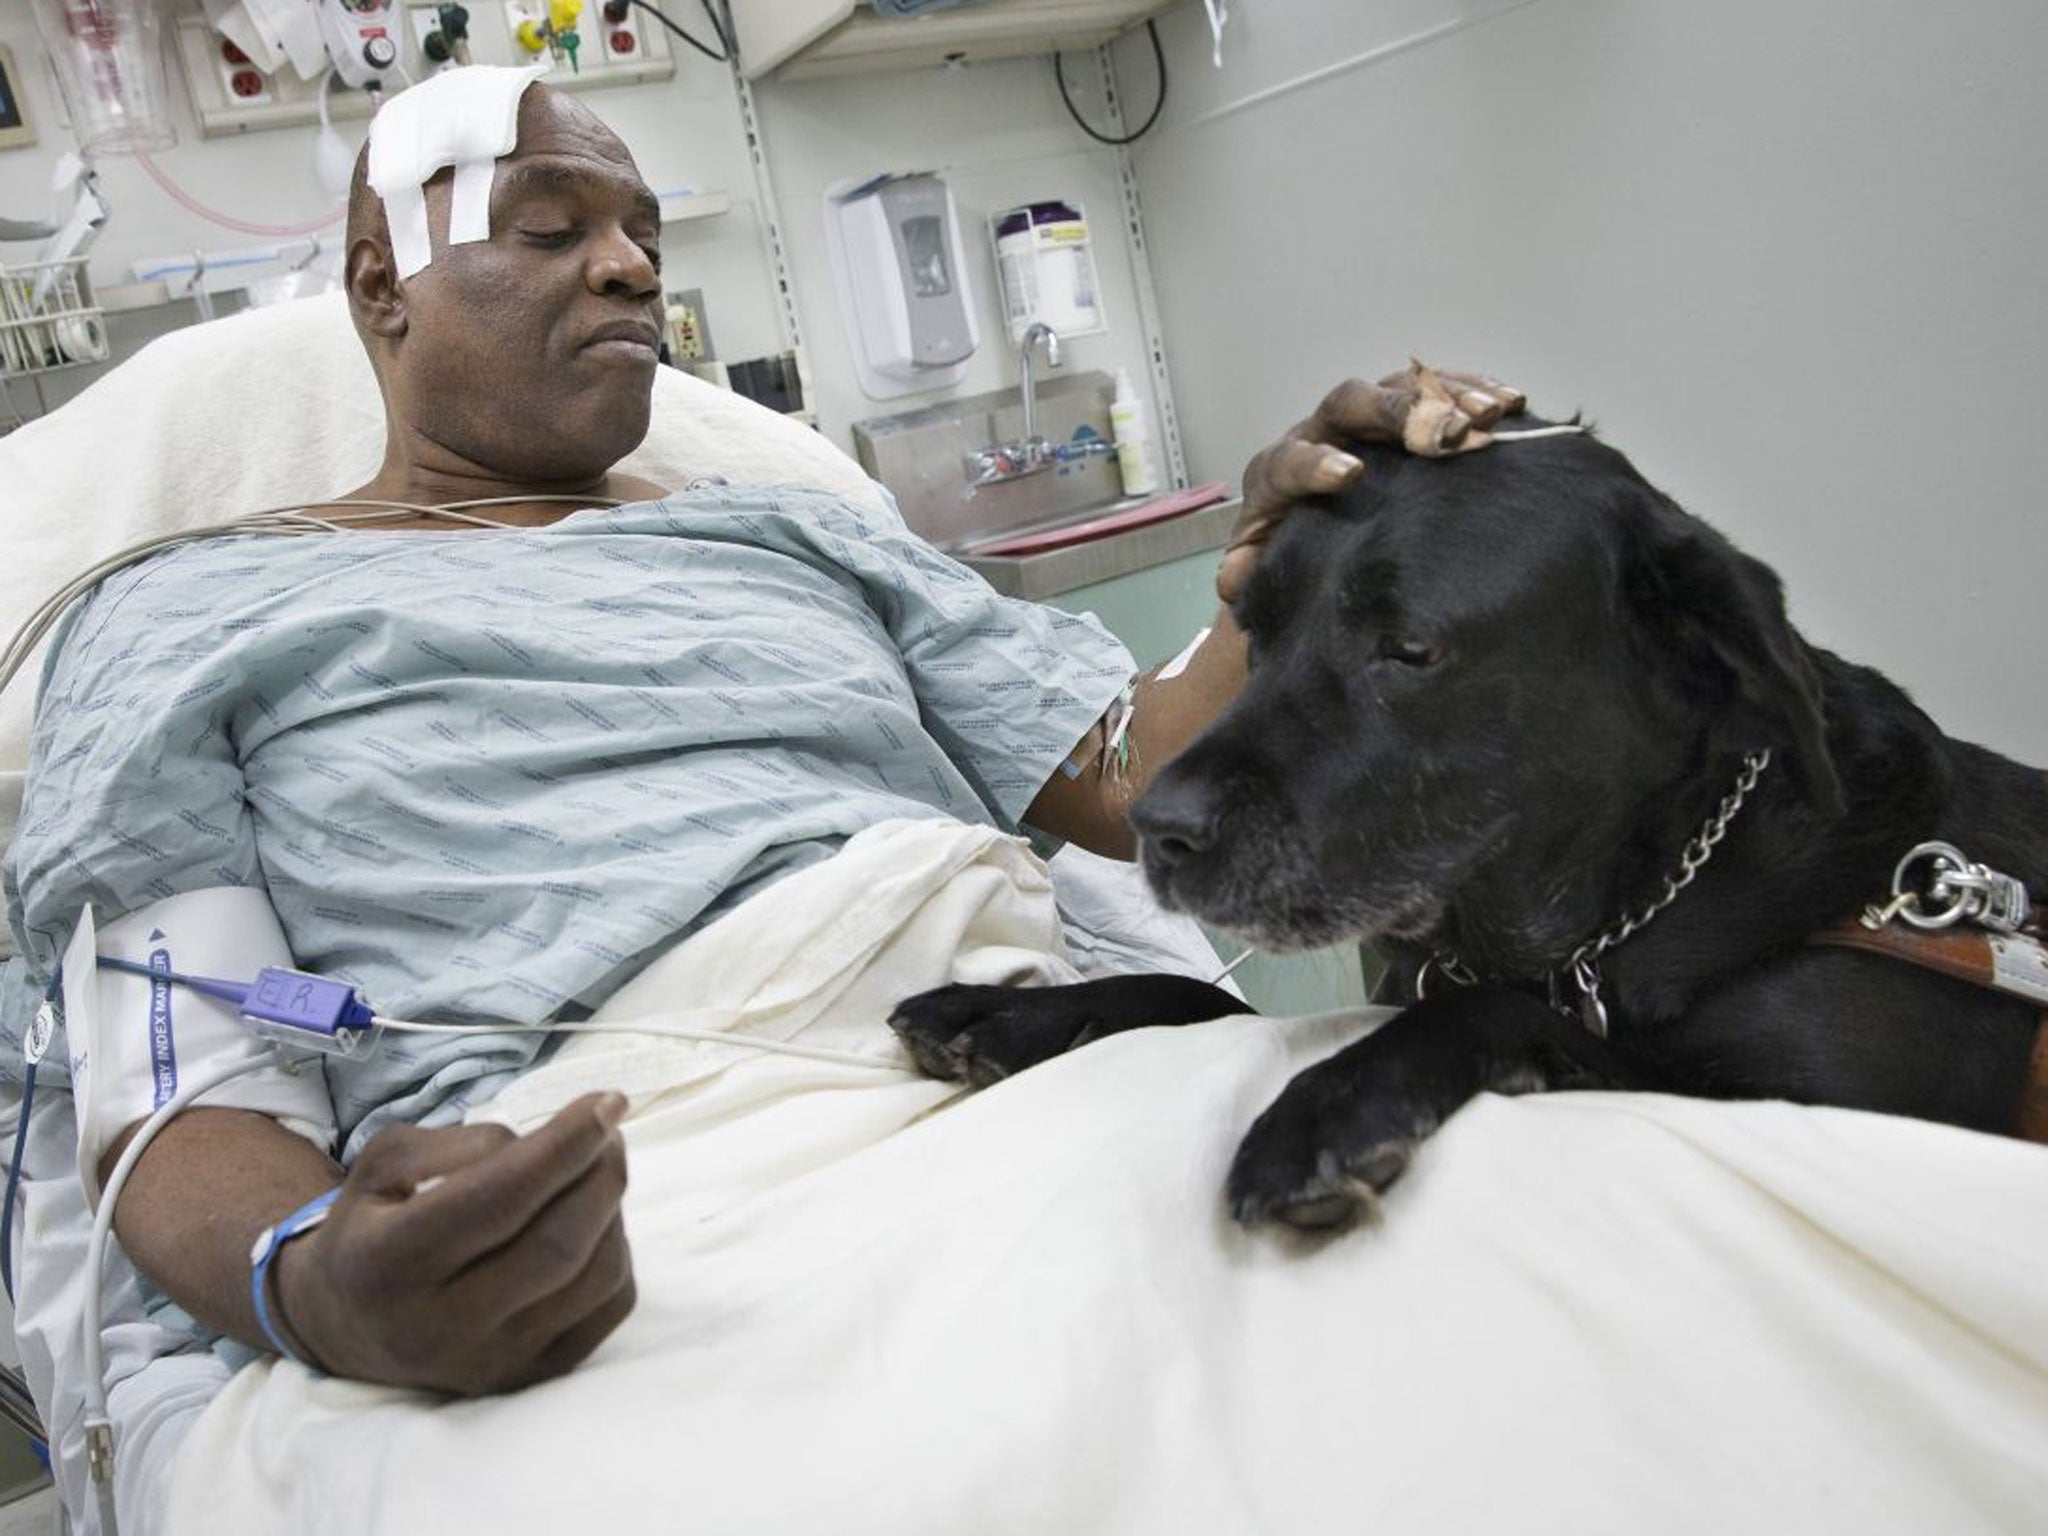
(1580, 973)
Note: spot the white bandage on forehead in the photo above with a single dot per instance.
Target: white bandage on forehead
(466, 118)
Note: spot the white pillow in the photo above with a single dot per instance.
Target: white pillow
(269, 406)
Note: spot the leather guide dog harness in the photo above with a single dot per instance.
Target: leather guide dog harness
(1962, 919)
(1972, 924)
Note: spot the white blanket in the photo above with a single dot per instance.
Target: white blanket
(1029, 1313)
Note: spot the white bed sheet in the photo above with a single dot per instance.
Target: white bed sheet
(871, 1305)
(161, 1380)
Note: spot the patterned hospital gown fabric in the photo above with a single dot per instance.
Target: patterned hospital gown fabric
(488, 775)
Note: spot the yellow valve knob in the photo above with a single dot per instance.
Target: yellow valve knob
(562, 15)
(532, 36)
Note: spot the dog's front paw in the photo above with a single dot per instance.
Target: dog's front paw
(980, 1035)
(1321, 1154)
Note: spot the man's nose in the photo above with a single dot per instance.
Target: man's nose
(620, 266)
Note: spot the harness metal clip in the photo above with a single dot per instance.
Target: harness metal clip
(1957, 891)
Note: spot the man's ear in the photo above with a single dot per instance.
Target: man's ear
(376, 293)
(1719, 615)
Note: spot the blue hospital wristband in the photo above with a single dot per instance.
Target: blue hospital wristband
(265, 1249)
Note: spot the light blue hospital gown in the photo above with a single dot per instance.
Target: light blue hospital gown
(489, 775)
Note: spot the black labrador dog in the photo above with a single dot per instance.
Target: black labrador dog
(1502, 706)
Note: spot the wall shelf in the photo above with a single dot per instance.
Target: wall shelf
(802, 39)
(680, 207)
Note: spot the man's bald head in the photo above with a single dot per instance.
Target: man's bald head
(540, 104)
(531, 352)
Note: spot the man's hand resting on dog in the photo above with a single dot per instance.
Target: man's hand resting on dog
(1432, 413)
(462, 1259)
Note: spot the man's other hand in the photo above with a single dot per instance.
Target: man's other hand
(467, 1259)
(1431, 412)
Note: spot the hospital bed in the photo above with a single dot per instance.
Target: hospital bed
(870, 1303)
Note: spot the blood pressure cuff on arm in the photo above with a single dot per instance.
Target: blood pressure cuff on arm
(134, 1040)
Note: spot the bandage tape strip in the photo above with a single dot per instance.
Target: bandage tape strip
(268, 1242)
(467, 118)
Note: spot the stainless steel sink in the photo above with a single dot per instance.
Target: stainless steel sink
(922, 457)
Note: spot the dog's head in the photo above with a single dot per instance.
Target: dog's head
(1478, 671)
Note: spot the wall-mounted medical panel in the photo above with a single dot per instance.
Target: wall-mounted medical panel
(797, 39)
(230, 95)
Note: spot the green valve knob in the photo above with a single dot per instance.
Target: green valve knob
(571, 42)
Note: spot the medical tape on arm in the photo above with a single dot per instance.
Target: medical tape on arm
(1179, 664)
(467, 118)
(132, 1039)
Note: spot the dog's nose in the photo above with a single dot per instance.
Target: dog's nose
(1177, 819)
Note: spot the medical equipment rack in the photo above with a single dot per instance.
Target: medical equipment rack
(63, 328)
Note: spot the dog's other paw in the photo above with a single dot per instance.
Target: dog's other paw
(980, 1035)
(1322, 1153)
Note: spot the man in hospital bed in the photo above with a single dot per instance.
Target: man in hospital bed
(486, 775)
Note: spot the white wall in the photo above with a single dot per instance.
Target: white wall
(1789, 253)
(999, 135)
(998, 132)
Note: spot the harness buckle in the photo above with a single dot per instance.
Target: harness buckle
(1957, 890)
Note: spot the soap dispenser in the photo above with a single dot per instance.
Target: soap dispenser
(1130, 424)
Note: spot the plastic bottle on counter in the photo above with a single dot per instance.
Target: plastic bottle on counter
(1130, 424)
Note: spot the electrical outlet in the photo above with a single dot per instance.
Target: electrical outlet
(685, 340)
(689, 327)
(621, 41)
(223, 108)
(240, 80)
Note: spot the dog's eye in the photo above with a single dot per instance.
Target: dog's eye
(1408, 653)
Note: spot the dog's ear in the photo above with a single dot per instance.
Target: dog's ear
(1720, 615)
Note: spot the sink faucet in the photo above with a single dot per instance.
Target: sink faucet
(1037, 331)
(1000, 462)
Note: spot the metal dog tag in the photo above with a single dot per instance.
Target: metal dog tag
(1593, 1014)
(1592, 1011)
